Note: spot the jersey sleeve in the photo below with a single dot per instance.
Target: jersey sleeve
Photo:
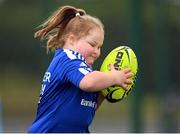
(76, 70)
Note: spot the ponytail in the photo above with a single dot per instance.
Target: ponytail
(53, 28)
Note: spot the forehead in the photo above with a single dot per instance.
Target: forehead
(96, 35)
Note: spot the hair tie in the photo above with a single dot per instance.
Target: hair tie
(77, 14)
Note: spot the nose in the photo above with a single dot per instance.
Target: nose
(97, 52)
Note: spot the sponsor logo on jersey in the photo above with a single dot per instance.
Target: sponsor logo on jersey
(88, 103)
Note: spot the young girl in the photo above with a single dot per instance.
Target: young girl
(70, 89)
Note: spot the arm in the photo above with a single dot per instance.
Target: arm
(96, 80)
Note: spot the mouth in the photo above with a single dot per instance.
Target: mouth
(94, 57)
(91, 60)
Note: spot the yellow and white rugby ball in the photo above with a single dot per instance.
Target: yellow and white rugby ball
(122, 57)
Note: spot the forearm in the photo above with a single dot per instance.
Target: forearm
(96, 81)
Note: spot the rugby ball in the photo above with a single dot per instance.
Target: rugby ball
(122, 57)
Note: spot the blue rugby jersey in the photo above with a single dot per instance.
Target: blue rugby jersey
(63, 106)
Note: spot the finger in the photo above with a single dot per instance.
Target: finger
(127, 70)
(125, 86)
(128, 81)
(129, 75)
(111, 66)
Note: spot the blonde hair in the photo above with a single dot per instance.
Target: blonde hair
(65, 20)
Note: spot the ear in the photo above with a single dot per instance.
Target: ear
(72, 39)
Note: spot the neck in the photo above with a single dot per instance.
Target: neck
(69, 46)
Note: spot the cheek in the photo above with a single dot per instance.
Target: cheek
(87, 52)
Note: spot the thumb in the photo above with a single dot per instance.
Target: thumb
(111, 67)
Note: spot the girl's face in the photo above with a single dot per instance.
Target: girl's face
(89, 46)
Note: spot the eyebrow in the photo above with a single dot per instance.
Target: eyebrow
(96, 43)
(99, 44)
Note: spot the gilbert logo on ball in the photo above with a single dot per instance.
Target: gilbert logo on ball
(122, 57)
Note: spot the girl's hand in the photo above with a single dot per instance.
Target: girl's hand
(122, 77)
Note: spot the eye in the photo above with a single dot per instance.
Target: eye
(93, 45)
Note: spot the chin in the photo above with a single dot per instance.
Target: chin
(90, 63)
